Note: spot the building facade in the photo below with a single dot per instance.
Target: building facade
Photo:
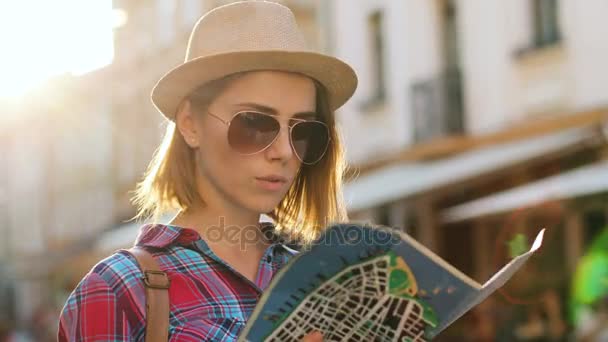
(482, 121)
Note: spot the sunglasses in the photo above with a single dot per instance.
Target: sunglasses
(251, 132)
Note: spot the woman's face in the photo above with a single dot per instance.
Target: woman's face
(234, 177)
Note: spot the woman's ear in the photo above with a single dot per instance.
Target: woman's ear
(187, 124)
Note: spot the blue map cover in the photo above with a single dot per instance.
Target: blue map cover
(362, 282)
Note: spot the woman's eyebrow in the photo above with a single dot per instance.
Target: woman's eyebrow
(272, 111)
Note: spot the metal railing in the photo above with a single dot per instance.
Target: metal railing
(437, 106)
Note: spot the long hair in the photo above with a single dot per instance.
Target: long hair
(313, 201)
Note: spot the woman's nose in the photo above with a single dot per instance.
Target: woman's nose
(281, 147)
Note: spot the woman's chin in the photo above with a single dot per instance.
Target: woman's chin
(263, 206)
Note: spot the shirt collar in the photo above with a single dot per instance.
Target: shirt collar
(162, 236)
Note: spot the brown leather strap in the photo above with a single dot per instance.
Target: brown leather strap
(157, 295)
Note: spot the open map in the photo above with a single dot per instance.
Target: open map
(359, 282)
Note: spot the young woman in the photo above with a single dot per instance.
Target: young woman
(251, 131)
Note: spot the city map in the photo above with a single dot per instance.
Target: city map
(360, 282)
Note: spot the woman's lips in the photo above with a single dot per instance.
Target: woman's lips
(270, 185)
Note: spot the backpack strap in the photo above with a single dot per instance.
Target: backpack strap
(157, 295)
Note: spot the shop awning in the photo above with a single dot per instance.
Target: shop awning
(407, 179)
(582, 181)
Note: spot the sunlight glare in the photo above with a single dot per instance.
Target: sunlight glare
(42, 39)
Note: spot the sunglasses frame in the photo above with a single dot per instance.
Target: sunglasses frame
(289, 127)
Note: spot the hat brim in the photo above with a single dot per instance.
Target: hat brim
(339, 78)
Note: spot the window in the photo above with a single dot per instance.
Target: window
(384, 215)
(545, 25)
(375, 25)
(376, 22)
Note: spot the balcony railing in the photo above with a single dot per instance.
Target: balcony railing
(437, 106)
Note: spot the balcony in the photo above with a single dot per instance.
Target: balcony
(437, 106)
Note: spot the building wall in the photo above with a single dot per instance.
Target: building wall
(410, 53)
(501, 84)
(586, 34)
(485, 63)
(56, 184)
(79, 146)
(558, 79)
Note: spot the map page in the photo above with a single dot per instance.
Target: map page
(362, 282)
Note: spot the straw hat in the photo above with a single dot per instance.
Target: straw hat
(246, 36)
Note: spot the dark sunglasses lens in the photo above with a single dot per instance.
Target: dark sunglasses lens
(251, 132)
(310, 140)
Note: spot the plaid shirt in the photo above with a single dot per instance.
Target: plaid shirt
(209, 300)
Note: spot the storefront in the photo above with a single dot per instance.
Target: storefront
(472, 206)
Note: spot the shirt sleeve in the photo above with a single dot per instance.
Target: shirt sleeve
(93, 313)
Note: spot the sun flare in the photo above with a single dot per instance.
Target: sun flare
(42, 39)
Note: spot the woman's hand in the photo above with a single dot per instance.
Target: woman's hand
(314, 336)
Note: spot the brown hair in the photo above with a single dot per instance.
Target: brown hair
(313, 201)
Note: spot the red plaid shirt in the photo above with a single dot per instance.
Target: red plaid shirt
(209, 300)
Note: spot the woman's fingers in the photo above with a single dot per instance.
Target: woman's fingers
(314, 336)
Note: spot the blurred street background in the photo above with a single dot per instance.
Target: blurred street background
(475, 124)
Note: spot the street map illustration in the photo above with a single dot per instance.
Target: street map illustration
(360, 282)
